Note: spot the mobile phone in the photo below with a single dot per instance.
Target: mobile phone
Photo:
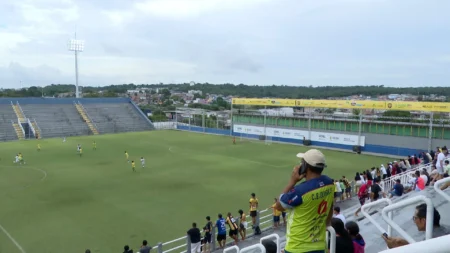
(385, 235)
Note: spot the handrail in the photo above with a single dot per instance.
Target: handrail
(21, 127)
(435, 245)
(253, 247)
(437, 187)
(407, 202)
(40, 131)
(31, 127)
(372, 220)
(87, 115)
(234, 247)
(20, 108)
(332, 239)
(391, 180)
(277, 240)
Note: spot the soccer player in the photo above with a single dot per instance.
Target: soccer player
(142, 162)
(17, 158)
(39, 147)
(78, 148)
(21, 160)
(80, 151)
(234, 140)
(133, 166)
(64, 139)
(94, 145)
(127, 156)
(253, 206)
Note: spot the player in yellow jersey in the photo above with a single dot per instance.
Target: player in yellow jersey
(80, 151)
(39, 147)
(133, 166)
(127, 156)
(21, 161)
(276, 215)
(253, 208)
(94, 145)
(309, 204)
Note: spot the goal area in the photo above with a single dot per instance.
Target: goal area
(267, 140)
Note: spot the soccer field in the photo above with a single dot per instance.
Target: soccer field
(60, 202)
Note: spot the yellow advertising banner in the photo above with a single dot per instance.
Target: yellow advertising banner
(348, 104)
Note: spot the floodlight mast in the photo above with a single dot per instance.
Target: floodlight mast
(76, 46)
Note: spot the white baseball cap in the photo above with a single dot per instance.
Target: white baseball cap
(313, 157)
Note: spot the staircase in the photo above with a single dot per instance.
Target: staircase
(19, 113)
(86, 118)
(18, 130)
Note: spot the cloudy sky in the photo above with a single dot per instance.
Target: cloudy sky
(293, 42)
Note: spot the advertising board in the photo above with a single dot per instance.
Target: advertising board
(296, 134)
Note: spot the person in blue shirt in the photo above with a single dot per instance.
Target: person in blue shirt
(221, 231)
(398, 189)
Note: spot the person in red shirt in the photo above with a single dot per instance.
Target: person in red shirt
(363, 193)
(420, 183)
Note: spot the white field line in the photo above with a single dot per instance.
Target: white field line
(32, 168)
(12, 239)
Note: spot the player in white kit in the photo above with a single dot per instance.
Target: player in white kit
(142, 162)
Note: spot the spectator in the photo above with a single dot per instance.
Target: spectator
(420, 218)
(145, 248)
(242, 224)
(221, 231)
(440, 162)
(426, 177)
(408, 165)
(420, 183)
(425, 158)
(398, 189)
(348, 188)
(310, 204)
(344, 243)
(362, 196)
(337, 190)
(342, 185)
(375, 191)
(447, 167)
(384, 171)
(358, 182)
(358, 241)
(417, 161)
(276, 214)
(126, 249)
(369, 178)
(410, 186)
(253, 209)
(429, 157)
(207, 239)
(337, 214)
(233, 232)
(378, 173)
(373, 173)
(194, 235)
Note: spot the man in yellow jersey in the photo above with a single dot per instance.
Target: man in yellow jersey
(126, 156)
(39, 147)
(94, 145)
(133, 166)
(253, 208)
(81, 151)
(276, 214)
(309, 205)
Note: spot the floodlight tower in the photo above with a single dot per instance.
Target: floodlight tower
(76, 46)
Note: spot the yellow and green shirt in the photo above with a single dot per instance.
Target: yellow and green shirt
(308, 205)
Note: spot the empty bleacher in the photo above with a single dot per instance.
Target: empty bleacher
(117, 117)
(7, 132)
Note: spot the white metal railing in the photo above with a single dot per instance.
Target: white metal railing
(436, 245)
(264, 223)
(388, 183)
(372, 220)
(20, 108)
(231, 249)
(37, 125)
(437, 187)
(31, 127)
(21, 127)
(407, 202)
(332, 238)
(254, 247)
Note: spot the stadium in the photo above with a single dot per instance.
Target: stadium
(59, 196)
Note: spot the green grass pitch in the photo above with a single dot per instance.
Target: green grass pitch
(60, 202)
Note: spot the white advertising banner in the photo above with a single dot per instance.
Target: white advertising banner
(344, 139)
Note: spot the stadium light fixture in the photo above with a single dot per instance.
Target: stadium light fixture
(76, 46)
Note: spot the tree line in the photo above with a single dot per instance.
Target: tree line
(240, 90)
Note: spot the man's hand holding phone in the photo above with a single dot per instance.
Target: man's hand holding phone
(296, 177)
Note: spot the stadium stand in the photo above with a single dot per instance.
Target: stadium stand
(7, 115)
(116, 118)
(60, 117)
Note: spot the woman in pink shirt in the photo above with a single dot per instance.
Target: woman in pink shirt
(420, 183)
